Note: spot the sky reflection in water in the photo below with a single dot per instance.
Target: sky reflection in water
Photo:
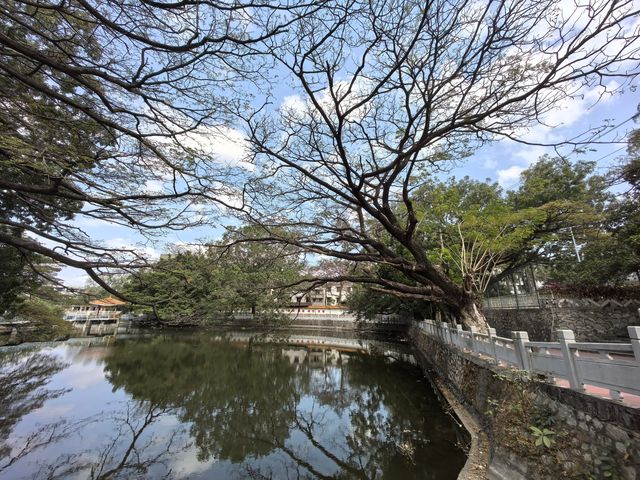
(195, 406)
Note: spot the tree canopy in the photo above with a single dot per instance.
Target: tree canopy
(389, 91)
(223, 278)
(110, 108)
(107, 112)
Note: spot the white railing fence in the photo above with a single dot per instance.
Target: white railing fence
(79, 317)
(612, 366)
(345, 317)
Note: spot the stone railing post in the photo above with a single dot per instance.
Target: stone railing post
(474, 330)
(459, 335)
(634, 335)
(492, 341)
(566, 338)
(438, 329)
(13, 337)
(86, 330)
(446, 336)
(519, 343)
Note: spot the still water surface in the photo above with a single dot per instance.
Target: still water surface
(204, 407)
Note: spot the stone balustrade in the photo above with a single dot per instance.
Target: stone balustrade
(612, 369)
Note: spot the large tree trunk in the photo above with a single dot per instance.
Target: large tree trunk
(469, 315)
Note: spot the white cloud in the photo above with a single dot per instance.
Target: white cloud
(181, 246)
(153, 186)
(73, 277)
(53, 412)
(570, 110)
(147, 251)
(84, 376)
(558, 125)
(509, 176)
(349, 90)
(186, 463)
(293, 104)
(530, 154)
(490, 163)
(224, 144)
(83, 221)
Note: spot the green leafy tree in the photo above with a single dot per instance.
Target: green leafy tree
(573, 200)
(26, 291)
(477, 233)
(16, 279)
(624, 212)
(605, 260)
(46, 145)
(179, 287)
(474, 229)
(584, 215)
(257, 275)
(553, 179)
(235, 275)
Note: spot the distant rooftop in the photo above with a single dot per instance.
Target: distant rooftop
(107, 302)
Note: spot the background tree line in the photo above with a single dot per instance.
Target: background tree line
(213, 282)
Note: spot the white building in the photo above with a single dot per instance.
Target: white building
(98, 317)
(327, 295)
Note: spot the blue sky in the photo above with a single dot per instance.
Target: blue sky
(501, 161)
(504, 160)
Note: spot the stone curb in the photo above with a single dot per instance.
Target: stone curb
(478, 457)
(477, 464)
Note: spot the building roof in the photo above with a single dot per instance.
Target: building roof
(107, 302)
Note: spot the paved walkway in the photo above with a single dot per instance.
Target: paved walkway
(627, 398)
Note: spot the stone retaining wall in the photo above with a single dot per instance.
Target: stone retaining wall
(590, 323)
(328, 324)
(592, 438)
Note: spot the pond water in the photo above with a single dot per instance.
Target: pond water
(217, 406)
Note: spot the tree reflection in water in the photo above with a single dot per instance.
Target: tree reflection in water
(348, 416)
(231, 396)
(198, 407)
(24, 375)
(24, 388)
(126, 452)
